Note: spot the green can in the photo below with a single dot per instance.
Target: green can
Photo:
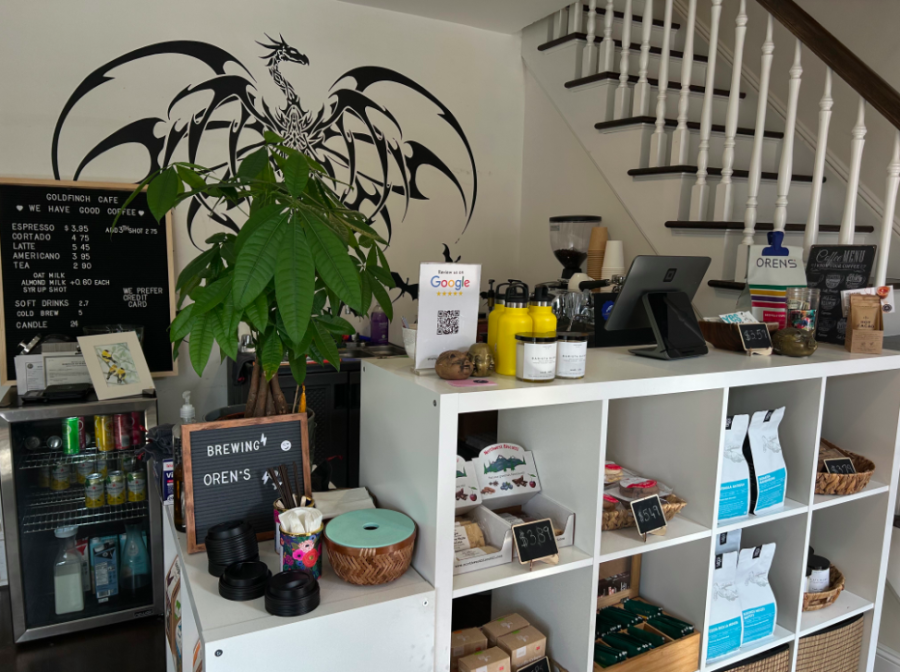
(71, 436)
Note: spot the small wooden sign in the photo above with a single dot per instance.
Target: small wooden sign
(542, 665)
(755, 338)
(840, 465)
(535, 542)
(649, 516)
(225, 476)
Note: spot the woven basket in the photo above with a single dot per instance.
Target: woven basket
(814, 601)
(370, 566)
(845, 484)
(835, 649)
(776, 660)
(619, 518)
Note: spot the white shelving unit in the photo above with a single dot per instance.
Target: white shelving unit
(664, 420)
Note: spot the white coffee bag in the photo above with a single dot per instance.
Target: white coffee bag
(724, 630)
(758, 608)
(768, 473)
(734, 491)
(728, 542)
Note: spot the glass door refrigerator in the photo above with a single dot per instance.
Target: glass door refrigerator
(81, 515)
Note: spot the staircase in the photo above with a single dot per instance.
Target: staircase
(700, 155)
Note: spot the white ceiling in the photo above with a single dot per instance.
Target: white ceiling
(502, 16)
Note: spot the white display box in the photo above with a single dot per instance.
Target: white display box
(541, 506)
(497, 534)
(506, 475)
(466, 487)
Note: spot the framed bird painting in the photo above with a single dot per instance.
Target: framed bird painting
(116, 364)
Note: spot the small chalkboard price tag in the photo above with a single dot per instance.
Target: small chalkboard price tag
(542, 665)
(755, 338)
(840, 465)
(649, 516)
(536, 542)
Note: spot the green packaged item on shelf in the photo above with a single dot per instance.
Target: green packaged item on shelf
(641, 608)
(605, 656)
(667, 628)
(630, 645)
(677, 622)
(604, 627)
(650, 638)
(620, 615)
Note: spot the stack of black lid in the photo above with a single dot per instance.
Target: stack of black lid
(228, 543)
(244, 581)
(292, 593)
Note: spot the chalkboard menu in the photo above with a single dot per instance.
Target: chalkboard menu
(840, 465)
(832, 269)
(535, 540)
(64, 268)
(225, 475)
(755, 336)
(648, 514)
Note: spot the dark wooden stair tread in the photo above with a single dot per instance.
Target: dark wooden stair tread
(739, 286)
(572, 37)
(668, 170)
(634, 18)
(601, 76)
(761, 226)
(693, 125)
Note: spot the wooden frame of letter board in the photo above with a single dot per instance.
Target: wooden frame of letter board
(676, 655)
(5, 378)
(193, 546)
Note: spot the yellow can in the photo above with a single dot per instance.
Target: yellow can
(103, 460)
(59, 476)
(94, 491)
(136, 483)
(103, 433)
(115, 488)
(86, 467)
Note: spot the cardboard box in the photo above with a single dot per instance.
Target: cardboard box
(496, 534)
(490, 660)
(506, 475)
(503, 626)
(464, 643)
(468, 494)
(523, 646)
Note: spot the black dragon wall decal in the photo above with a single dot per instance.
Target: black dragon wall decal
(227, 109)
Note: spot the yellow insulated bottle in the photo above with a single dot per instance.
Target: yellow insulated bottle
(494, 324)
(541, 312)
(513, 320)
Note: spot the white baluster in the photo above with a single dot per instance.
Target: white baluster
(576, 16)
(750, 212)
(848, 221)
(590, 51)
(681, 138)
(887, 223)
(609, 46)
(562, 23)
(658, 140)
(642, 88)
(786, 166)
(811, 235)
(724, 207)
(622, 106)
(700, 191)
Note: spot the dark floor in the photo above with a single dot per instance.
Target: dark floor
(136, 646)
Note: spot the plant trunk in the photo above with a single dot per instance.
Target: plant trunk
(270, 399)
(250, 408)
(281, 406)
(259, 410)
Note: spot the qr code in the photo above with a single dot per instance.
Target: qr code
(447, 322)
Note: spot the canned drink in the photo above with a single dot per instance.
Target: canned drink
(126, 463)
(59, 476)
(115, 488)
(103, 462)
(44, 476)
(71, 437)
(136, 482)
(94, 491)
(85, 468)
(122, 430)
(103, 433)
(137, 429)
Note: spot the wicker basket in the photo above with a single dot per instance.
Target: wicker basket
(845, 484)
(619, 518)
(835, 649)
(370, 566)
(726, 335)
(776, 660)
(814, 601)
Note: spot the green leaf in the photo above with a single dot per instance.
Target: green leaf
(255, 264)
(258, 312)
(253, 164)
(226, 339)
(383, 298)
(332, 262)
(231, 317)
(326, 345)
(212, 295)
(176, 346)
(194, 267)
(295, 281)
(319, 302)
(162, 193)
(227, 250)
(366, 287)
(298, 367)
(383, 262)
(181, 326)
(296, 174)
(272, 138)
(202, 337)
(336, 325)
(365, 231)
(258, 217)
(272, 353)
(192, 179)
(187, 289)
(217, 238)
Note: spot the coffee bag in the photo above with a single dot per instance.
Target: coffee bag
(768, 473)
(758, 608)
(734, 491)
(725, 624)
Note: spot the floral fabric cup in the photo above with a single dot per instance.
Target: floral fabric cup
(302, 551)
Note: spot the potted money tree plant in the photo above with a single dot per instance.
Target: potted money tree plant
(298, 259)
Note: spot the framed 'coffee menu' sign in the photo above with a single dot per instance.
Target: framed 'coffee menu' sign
(832, 269)
(65, 268)
(225, 471)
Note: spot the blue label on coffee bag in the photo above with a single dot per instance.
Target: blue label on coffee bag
(724, 637)
(734, 499)
(759, 622)
(771, 489)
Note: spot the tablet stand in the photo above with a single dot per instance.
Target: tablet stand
(674, 326)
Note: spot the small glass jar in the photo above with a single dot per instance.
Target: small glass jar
(803, 306)
(819, 569)
(571, 354)
(536, 357)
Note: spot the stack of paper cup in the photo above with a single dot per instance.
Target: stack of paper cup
(613, 260)
(596, 251)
